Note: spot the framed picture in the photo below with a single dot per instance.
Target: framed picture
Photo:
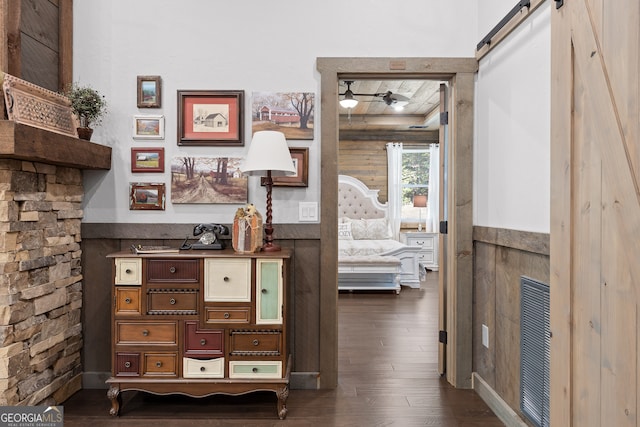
(148, 127)
(300, 157)
(146, 196)
(149, 92)
(291, 113)
(147, 159)
(210, 117)
(216, 180)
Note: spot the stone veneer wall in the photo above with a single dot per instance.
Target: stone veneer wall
(40, 282)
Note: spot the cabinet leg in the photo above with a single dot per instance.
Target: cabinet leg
(116, 399)
(283, 394)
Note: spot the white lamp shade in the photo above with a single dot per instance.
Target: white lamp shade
(268, 152)
(348, 102)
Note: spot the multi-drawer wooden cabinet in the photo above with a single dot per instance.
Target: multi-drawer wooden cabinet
(428, 244)
(199, 323)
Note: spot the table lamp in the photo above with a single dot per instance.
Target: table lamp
(268, 156)
(419, 201)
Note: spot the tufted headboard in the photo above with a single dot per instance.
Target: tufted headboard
(357, 201)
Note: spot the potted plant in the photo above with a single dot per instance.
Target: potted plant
(88, 105)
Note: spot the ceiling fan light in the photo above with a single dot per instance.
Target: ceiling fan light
(348, 101)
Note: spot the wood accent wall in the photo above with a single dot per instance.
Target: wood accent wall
(37, 39)
(501, 257)
(367, 161)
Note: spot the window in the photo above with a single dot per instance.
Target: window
(415, 181)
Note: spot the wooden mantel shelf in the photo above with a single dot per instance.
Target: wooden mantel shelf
(23, 142)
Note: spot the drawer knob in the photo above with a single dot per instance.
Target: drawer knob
(264, 291)
(127, 364)
(202, 369)
(127, 300)
(226, 315)
(255, 342)
(158, 364)
(226, 279)
(254, 370)
(172, 270)
(172, 301)
(203, 342)
(128, 271)
(145, 332)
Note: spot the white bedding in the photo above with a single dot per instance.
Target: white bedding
(367, 247)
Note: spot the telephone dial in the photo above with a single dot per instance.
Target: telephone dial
(209, 237)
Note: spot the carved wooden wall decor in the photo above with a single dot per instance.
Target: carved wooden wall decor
(33, 105)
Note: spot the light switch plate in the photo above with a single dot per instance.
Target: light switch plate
(485, 336)
(307, 211)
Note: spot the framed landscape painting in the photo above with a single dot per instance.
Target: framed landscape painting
(147, 159)
(208, 180)
(291, 113)
(146, 196)
(214, 118)
(149, 92)
(148, 127)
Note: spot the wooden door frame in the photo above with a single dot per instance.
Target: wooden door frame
(460, 74)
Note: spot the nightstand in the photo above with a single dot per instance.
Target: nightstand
(428, 242)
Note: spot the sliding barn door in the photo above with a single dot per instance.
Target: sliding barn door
(595, 213)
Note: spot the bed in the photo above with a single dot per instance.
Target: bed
(369, 258)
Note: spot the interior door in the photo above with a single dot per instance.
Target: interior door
(595, 213)
(442, 253)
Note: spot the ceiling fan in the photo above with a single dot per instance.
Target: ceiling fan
(392, 99)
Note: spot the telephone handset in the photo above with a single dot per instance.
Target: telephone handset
(209, 237)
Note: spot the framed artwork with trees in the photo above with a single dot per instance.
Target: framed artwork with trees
(291, 113)
(208, 180)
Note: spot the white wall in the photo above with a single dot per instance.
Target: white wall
(252, 46)
(512, 125)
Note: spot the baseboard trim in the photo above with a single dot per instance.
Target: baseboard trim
(503, 411)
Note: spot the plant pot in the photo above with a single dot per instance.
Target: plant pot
(85, 133)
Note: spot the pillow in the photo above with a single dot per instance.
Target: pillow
(358, 228)
(377, 229)
(344, 231)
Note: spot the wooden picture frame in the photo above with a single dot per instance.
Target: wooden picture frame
(149, 91)
(147, 159)
(300, 157)
(148, 126)
(214, 118)
(146, 196)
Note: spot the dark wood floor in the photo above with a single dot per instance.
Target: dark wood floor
(387, 377)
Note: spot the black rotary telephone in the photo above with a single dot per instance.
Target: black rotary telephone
(209, 237)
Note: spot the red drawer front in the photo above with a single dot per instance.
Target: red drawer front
(173, 271)
(127, 364)
(207, 343)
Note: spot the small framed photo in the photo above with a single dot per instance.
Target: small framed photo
(149, 92)
(213, 118)
(300, 157)
(146, 196)
(147, 159)
(148, 127)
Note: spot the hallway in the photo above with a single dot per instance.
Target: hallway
(387, 377)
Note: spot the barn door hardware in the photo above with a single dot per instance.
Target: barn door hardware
(559, 4)
(513, 12)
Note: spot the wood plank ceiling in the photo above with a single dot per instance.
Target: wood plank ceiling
(372, 115)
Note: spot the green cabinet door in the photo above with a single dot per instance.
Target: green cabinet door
(269, 291)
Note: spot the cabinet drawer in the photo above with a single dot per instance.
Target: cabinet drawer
(128, 271)
(128, 300)
(255, 343)
(269, 294)
(198, 343)
(227, 315)
(160, 364)
(127, 364)
(254, 369)
(150, 333)
(227, 279)
(195, 368)
(172, 271)
(172, 301)
(427, 257)
(426, 242)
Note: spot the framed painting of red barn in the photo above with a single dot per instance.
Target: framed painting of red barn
(214, 118)
(291, 113)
